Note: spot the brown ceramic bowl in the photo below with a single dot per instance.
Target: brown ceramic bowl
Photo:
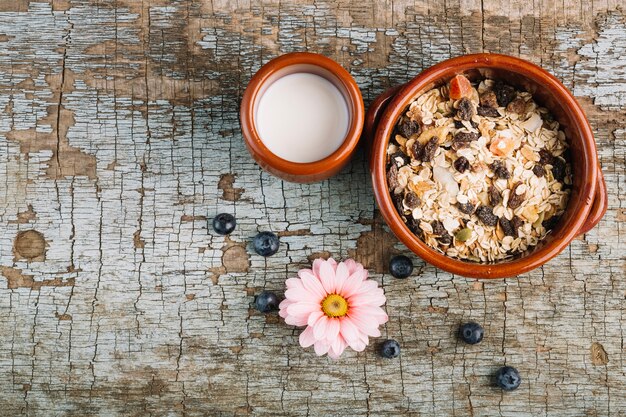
(289, 64)
(588, 200)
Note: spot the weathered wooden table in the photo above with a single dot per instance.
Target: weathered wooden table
(119, 138)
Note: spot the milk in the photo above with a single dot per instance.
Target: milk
(302, 117)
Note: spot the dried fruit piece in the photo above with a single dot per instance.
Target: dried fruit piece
(411, 200)
(558, 169)
(463, 235)
(504, 93)
(460, 87)
(465, 110)
(485, 215)
(428, 152)
(399, 159)
(551, 223)
(438, 229)
(467, 208)
(516, 223)
(397, 202)
(408, 128)
(545, 157)
(539, 171)
(445, 239)
(488, 99)
(494, 195)
(516, 200)
(461, 164)
(392, 177)
(463, 139)
(502, 145)
(487, 111)
(507, 228)
(517, 106)
(499, 169)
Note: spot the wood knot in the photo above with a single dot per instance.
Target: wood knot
(598, 354)
(29, 245)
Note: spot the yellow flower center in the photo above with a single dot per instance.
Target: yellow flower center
(335, 306)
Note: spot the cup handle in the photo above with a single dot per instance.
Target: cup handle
(600, 204)
(374, 111)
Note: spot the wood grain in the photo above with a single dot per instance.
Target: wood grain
(119, 138)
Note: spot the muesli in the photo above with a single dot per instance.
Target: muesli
(478, 171)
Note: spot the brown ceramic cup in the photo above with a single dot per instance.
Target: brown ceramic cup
(291, 63)
(588, 200)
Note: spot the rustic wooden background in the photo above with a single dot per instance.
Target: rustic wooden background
(119, 138)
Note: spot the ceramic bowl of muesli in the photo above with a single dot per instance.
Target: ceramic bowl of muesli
(484, 165)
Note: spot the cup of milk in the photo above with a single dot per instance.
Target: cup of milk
(301, 117)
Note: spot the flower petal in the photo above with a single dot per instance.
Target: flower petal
(283, 307)
(332, 330)
(371, 299)
(327, 276)
(306, 337)
(313, 284)
(320, 328)
(316, 266)
(321, 347)
(300, 294)
(352, 284)
(293, 283)
(376, 313)
(337, 348)
(313, 317)
(351, 264)
(341, 274)
(349, 330)
(297, 309)
(296, 320)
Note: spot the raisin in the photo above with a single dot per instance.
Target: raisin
(461, 164)
(488, 99)
(558, 169)
(516, 223)
(500, 170)
(550, 223)
(545, 157)
(516, 200)
(517, 106)
(392, 177)
(458, 124)
(399, 159)
(446, 239)
(408, 128)
(504, 93)
(467, 208)
(414, 226)
(485, 215)
(488, 111)
(438, 229)
(411, 200)
(494, 196)
(507, 227)
(465, 110)
(463, 139)
(429, 149)
(539, 170)
(397, 201)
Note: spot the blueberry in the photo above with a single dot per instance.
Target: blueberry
(508, 378)
(389, 349)
(266, 301)
(471, 333)
(400, 266)
(224, 223)
(266, 243)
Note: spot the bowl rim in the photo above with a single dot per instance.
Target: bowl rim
(460, 65)
(316, 170)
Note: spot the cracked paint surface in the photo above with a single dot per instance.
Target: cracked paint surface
(120, 140)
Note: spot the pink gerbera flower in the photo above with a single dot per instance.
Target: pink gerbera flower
(337, 303)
